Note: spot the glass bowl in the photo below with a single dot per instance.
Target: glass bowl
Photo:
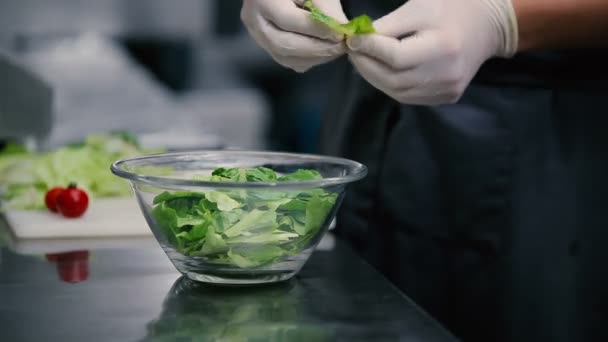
(241, 224)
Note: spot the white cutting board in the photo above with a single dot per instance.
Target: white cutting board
(104, 218)
(46, 246)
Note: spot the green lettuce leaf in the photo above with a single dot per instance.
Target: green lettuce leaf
(223, 201)
(253, 257)
(214, 243)
(261, 174)
(264, 238)
(13, 149)
(166, 218)
(254, 220)
(360, 25)
(301, 175)
(170, 196)
(317, 211)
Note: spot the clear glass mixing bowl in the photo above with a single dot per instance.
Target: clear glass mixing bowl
(237, 232)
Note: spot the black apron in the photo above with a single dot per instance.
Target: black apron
(490, 213)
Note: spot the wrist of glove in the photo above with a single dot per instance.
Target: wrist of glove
(504, 21)
(427, 51)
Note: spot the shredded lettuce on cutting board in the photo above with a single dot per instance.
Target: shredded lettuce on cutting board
(26, 177)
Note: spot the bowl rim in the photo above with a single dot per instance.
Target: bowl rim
(360, 171)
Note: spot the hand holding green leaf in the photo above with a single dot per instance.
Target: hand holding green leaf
(360, 25)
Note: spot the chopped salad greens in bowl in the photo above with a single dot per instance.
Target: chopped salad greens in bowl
(239, 217)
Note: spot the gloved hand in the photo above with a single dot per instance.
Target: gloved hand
(291, 37)
(427, 51)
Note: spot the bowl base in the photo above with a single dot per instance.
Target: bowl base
(240, 279)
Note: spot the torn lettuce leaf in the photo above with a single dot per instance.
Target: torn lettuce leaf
(360, 25)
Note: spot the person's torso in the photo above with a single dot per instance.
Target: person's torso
(511, 179)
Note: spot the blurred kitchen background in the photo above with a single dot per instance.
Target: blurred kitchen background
(179, 74)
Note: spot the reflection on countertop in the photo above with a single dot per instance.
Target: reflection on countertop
(196, 312)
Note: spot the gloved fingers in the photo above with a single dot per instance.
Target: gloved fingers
(302, 65)
(375, 72)
(391, 79)
(297, 20)
(248, 14)
(411, 86)
(296, 45)
(250, 22)
(412, 17)
(420, 87)
(398, 54)
(300, 3)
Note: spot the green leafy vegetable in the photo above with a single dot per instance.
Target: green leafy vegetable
(25, 177)
(253, 257)
(244, 228)
(316, 211)
(13, 149)
(301, 175)
(214, 243)
(223, 201)
(360, 25)
(261, 174)
(255, 220)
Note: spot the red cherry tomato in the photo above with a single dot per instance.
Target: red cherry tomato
(72, 202)
(50, 199)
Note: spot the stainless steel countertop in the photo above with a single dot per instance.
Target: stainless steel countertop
(135, 294)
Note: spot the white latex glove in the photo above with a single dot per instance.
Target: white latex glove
(444, 42)
(291, 37)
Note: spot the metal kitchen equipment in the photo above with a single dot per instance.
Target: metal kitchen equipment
(25, 104)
